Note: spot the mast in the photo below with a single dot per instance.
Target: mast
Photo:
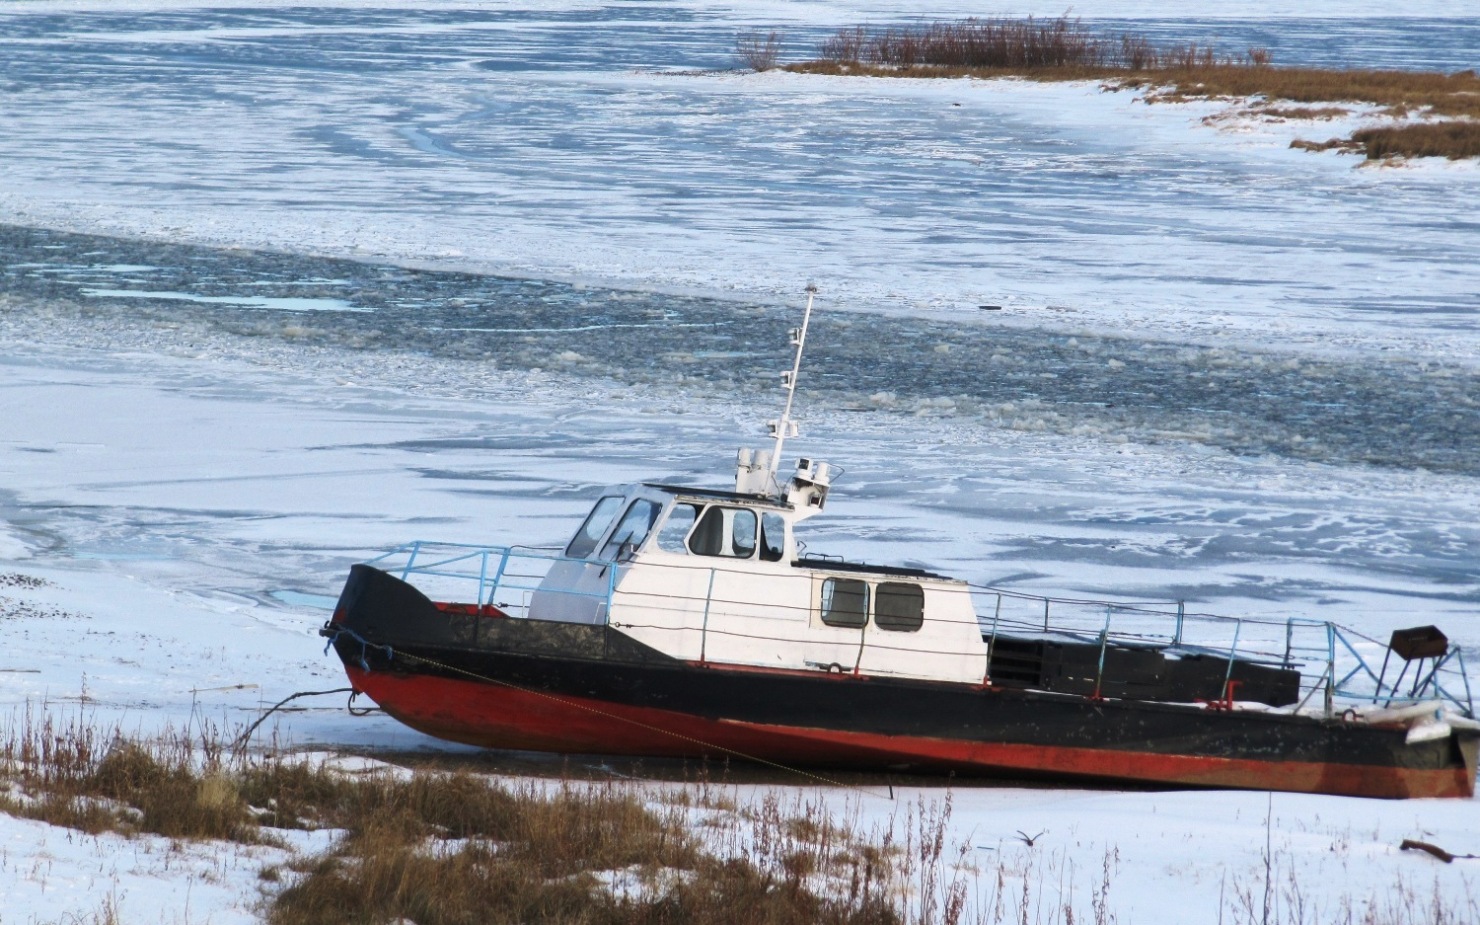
(755, 470)
(785, 427)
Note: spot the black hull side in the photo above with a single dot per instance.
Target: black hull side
(406, 636)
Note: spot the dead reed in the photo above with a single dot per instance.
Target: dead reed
(758, 52)
(1454, 140)
(453, 848)
(436, 847)
(1063, 49)
(75, 776)
(1029, 44)
(1399, 92)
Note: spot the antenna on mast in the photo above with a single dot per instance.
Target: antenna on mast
(755, 472)
(785, 427)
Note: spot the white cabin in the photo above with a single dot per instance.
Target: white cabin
(714, 577)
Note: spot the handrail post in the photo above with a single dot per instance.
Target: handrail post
(1104, 642)
(1469, 698)
(482, 575)
(704, 628)
(992, 643)
(1045, 614)
(611, 589)
(1330, 668)
(1386, 656)
(498, 574)
(1238, 627)
(1289, 638)
(1181, 614)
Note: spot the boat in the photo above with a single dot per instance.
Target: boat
(690, 623)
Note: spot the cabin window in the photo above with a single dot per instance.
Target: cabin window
(742, 534)
(676, 528)
(724, 531)
(773, 537)
(844, 602)
(632, 530)
(899, 606)
(594, 528)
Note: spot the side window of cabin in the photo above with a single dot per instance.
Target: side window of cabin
(773, 537)
(724, 531)
(676, 527)
(742, 534)
(899, 606)
(597, 521)
(633, 529)
(844, 602)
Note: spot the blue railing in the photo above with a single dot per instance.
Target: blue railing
(505, 577)
(1329, 657)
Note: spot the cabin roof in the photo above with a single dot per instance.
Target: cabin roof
(710, 494)
(838, 565)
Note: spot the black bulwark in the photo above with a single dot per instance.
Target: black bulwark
(601, 662)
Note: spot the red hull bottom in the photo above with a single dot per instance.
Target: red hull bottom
(495, 716)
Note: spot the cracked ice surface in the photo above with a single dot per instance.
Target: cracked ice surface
(1221, 370)
(597, 143)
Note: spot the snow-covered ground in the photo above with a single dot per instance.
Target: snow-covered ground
(192, 471)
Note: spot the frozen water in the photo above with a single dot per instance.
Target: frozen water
(609, 143)
(1220, 370)
(277, 304)
(1402, 412)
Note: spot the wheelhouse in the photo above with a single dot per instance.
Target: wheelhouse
(715, 577)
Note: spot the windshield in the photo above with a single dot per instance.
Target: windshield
(633, 529)
(594, 528)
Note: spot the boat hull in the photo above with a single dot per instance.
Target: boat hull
(519, 684)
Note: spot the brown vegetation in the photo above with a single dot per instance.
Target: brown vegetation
(1399, 92)
(1453, 140)
(453, 848)
(1017, 45)
(436, 847)
(1063, 49)
(1305, 113)
(75, 777)
(759, 52)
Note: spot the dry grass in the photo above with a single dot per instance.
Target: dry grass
(1454, 140)
(454, 848)
(442, 849)
(436, 847)
(1304, 113)
(1016, 44)
(759, 52)
(1332, 144)
(76, 777)
(1398, 92)
(1063, 49)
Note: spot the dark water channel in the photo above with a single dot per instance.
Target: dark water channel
(1396, 413)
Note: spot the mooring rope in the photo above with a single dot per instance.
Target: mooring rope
(242, 739)
(365, 644)
(624, 719)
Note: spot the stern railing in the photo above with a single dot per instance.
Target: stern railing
(1335, 662)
